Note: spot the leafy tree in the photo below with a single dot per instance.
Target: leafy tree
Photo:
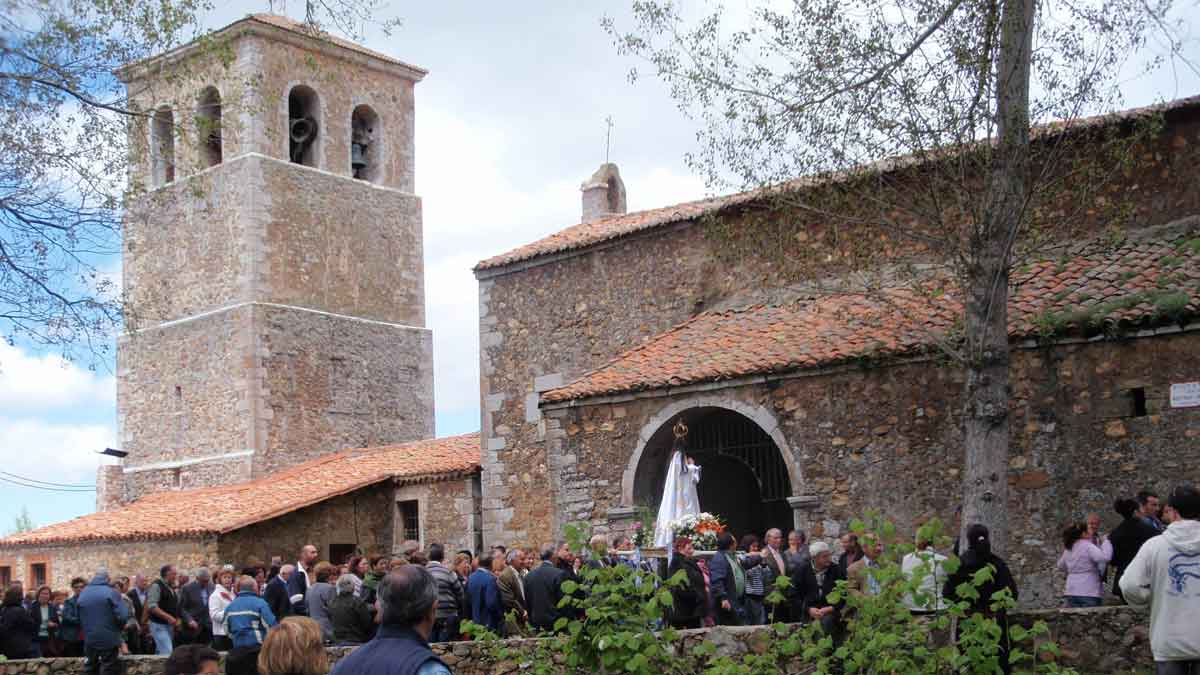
(912, 120)
(63, 155)
(22, 522)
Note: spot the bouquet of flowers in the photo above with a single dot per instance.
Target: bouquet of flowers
(643, 534)
(702, 529)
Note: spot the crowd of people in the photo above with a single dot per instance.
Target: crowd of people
(278, 618)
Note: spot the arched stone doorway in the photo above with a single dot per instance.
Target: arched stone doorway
(745, 478)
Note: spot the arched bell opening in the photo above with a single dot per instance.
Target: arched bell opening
(304, 125)
(162, 147)
(365, 144)
(744, 478)
(208, 127)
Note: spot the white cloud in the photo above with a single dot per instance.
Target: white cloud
(58, 453)
(476, 208)
(40, 382)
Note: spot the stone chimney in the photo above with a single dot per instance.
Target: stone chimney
(603, 193)
(110, 487)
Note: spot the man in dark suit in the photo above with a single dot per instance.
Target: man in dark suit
(276, 593)
(814, 582)
(193, 608)
(298, 583)
(776, 565)
(137, 600)
(543, 590)
(852, 552)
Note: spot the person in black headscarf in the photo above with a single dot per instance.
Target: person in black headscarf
(1127, 538)
(978, 556)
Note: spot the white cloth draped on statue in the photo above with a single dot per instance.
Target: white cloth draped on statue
(679, 498)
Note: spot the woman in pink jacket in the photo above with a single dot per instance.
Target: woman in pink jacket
(1084, 563)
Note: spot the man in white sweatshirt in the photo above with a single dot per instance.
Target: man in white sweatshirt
(1165, 575)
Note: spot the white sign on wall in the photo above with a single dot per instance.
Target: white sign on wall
(1185, 395)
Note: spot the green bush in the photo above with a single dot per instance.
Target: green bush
(618, 612)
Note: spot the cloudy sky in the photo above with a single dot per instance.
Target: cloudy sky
(510, 120)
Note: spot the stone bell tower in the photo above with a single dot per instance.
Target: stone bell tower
(272, 259)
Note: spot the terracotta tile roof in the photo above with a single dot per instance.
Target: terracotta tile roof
(605, 229)
(216, 510)
(1090, 290)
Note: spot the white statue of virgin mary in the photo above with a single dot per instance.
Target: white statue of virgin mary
(679, 491)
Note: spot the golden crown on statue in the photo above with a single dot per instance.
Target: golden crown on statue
(681, 430)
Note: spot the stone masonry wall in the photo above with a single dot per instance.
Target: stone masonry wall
(213, 252)
(362, 518)
(887, 439)
(447, 511)
(1108, 640)
(260, 229)
(547, 321)
(327, 383)
(254, 71)
(262, 387)
(188, 247)
(340, 245)
(66, 561)
(182, 391)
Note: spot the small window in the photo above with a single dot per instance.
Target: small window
(364, 144)
(340, 554)
(303, 130)
(410, 520)
(162, 147)
(208, 126)
(37, 573)
(5, 576)
(1137, 402)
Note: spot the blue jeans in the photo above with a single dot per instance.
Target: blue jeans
(1077, 601)
(1177, 667)
(445, 630)
(163, 635)
(755, 614)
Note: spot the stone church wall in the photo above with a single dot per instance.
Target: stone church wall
(82, 559)
(187, 247)
(362, 518)
(277, 309)
(269, 384)
(547, 321)
(266, 63)
(260, 229)
(448, 513)
(179, 396)
(328, 383)
(339, 245)
(887, 439)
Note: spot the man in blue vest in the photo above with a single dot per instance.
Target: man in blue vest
(247, 620)
(408, 608)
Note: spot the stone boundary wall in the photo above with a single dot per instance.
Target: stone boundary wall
(1103, 640)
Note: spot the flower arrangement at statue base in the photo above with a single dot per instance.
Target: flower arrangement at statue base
(702, 529)
(642, 535)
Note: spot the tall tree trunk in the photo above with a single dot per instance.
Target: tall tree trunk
(986, 417)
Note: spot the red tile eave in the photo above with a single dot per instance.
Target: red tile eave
(314, 481)
(585, 235)
(836, 330)
(268, 515)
